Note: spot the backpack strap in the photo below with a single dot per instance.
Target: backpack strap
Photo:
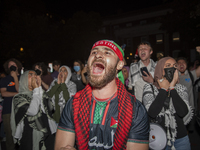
(191, 77)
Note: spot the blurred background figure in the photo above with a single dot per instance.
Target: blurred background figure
(190, 79)
(56, 66)
(167, 104)
(84, 74)
(31, 118)
(2, 75)
(9, 87)
(41, 70)
(78, 66)
(159, 55)
(61, 89)
(125, 72)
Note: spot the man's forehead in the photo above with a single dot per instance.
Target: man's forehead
(142, 45)
(103, 48)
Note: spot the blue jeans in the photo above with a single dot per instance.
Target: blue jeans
(181, 144)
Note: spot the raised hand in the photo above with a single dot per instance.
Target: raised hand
(39, 81)
(59, 77)
(175, 79)
(147, 78)
(164, 83)
(34, 82)
(63, 78)
(13, 74)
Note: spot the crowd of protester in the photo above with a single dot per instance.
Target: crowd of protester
(32, 102)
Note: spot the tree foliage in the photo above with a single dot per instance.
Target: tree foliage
(184, 19)
(46, 39)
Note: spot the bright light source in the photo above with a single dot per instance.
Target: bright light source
(127, 57)
(175, 39)
(131, 54)
(159, 41)
(21, 49)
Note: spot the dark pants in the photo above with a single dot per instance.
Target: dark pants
(7, 128)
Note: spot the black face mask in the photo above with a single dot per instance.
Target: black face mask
(38, 72)
(169, 73)
(13, 68)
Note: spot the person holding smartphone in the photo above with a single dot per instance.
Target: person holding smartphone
(9, 87)
(141, 72)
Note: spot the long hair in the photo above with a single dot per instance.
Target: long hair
(18, 63)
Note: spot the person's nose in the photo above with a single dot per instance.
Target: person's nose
(99, 54)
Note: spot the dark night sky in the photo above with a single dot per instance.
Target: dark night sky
(67, 8)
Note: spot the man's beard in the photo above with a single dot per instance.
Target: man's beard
(110, 74)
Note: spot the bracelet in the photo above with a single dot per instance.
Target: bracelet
(164, 89)
(171, 87)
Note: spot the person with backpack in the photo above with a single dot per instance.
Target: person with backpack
(188, 79)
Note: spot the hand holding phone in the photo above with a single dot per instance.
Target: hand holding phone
(144, 69)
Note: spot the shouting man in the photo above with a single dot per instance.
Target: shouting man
(103, 115)
(142, 72)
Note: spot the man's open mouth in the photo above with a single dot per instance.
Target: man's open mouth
(98, 67)
(143, 54)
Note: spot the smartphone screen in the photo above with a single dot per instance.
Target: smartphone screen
(145, 70)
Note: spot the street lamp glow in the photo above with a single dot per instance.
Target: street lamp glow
(21, 49)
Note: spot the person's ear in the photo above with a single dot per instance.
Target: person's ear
(151, 52)
(120, 65)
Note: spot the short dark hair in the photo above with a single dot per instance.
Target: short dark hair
(182, 58)
(18, 63)
(56, 62)
(145, 43)
(42, 66)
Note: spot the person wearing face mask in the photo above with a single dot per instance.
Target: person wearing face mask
(60, 90)
(78, 75)
(41, 70)
(9, 87)
(31, 118)
(167, 103)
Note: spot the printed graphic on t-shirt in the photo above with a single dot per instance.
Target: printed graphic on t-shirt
(113, 123)
(11, 84)
(187, 79)
(103, 127)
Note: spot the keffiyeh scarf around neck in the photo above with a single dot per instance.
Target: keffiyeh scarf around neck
(81, 112)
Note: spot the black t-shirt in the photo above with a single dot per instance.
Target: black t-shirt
(9, 84)
(102, 132)
(78, 81)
